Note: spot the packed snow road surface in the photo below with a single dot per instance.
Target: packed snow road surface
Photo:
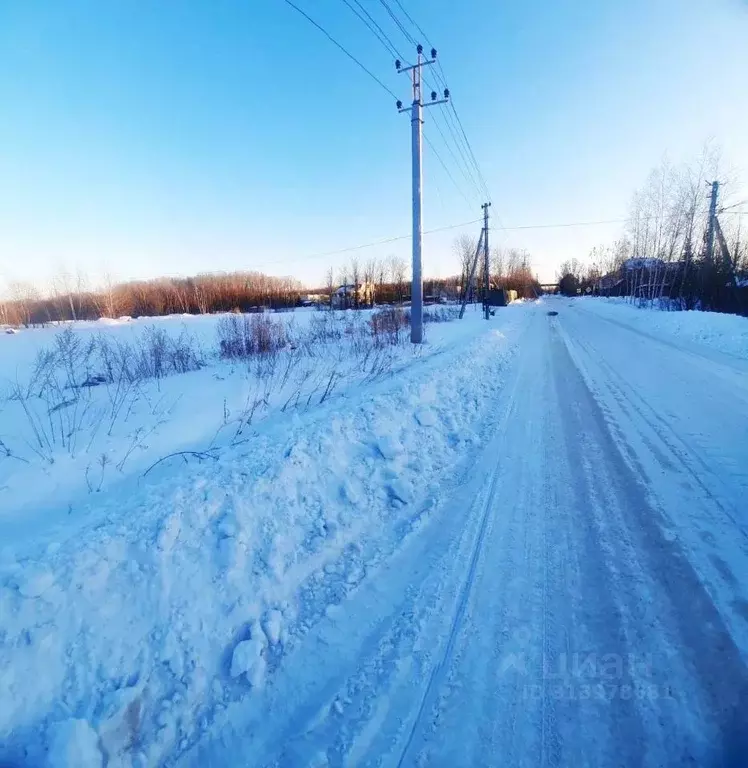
(579, 600)
(530, 549)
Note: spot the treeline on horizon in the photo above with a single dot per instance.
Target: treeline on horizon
(70, 298)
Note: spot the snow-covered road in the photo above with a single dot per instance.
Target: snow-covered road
(527, 549)
(579, 600)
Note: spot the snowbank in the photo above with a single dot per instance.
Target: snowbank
(94, 434)
(723, 333)
(181, 592)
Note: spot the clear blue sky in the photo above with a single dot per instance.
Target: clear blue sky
(154, 137)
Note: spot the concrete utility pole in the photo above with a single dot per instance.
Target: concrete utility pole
(416, 122)
(712, 218)
(486, 280)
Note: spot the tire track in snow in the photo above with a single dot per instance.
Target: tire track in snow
(669, 442)
(695, 634)
(438, 670)
(305, 711)
(683, 453)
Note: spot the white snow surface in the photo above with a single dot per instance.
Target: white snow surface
(121, 430)
(154, 603)
(386, 577)
(703, 331)
(74, 742)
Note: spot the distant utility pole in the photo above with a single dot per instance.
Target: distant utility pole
(712, 219)
(486, 282)
(416, 122)
(468, 286)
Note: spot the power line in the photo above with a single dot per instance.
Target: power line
(468, 173)
(441, 80)
(728, 208)
(410, 19)
(470, 149)
(470, 184)
(435, 181)
(373, 27)
(587, 223)
(572, 224)
(371, 24)
(384, 34)
(386, 241)
(482, 185)
(399, 24)
(383, 38)
(446, 170)
(344, 50)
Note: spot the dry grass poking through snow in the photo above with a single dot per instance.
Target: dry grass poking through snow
(100, 400)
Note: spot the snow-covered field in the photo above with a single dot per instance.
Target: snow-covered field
(382, 570)
(124, 597)
(61, 443)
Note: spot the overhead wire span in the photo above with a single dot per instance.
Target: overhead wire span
(440, 74)
(398, 23)
(444, 228)
(413, 22)
(465, 166)
(563, 225)
(385, 241)
(372, 26)
(470, 184)
(470, 149)
(395, 50)
(464, 163)
(446, 170)
(343, 49)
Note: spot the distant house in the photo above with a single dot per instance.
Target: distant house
(313, 299)
(641, 277)
(634, 264)
(347, 296)
(611, 284)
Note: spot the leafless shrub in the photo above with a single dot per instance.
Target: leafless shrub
(255, 401)
(57, 401)
(7, 453)
(55, 412)
(241, 336)
(440, 314)
(122, 395)
(331, 382)
(137, 440)
(184, 455)
(157, 354)
(324, 327)
(387, 326)
(378, 364)
(93, 483)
